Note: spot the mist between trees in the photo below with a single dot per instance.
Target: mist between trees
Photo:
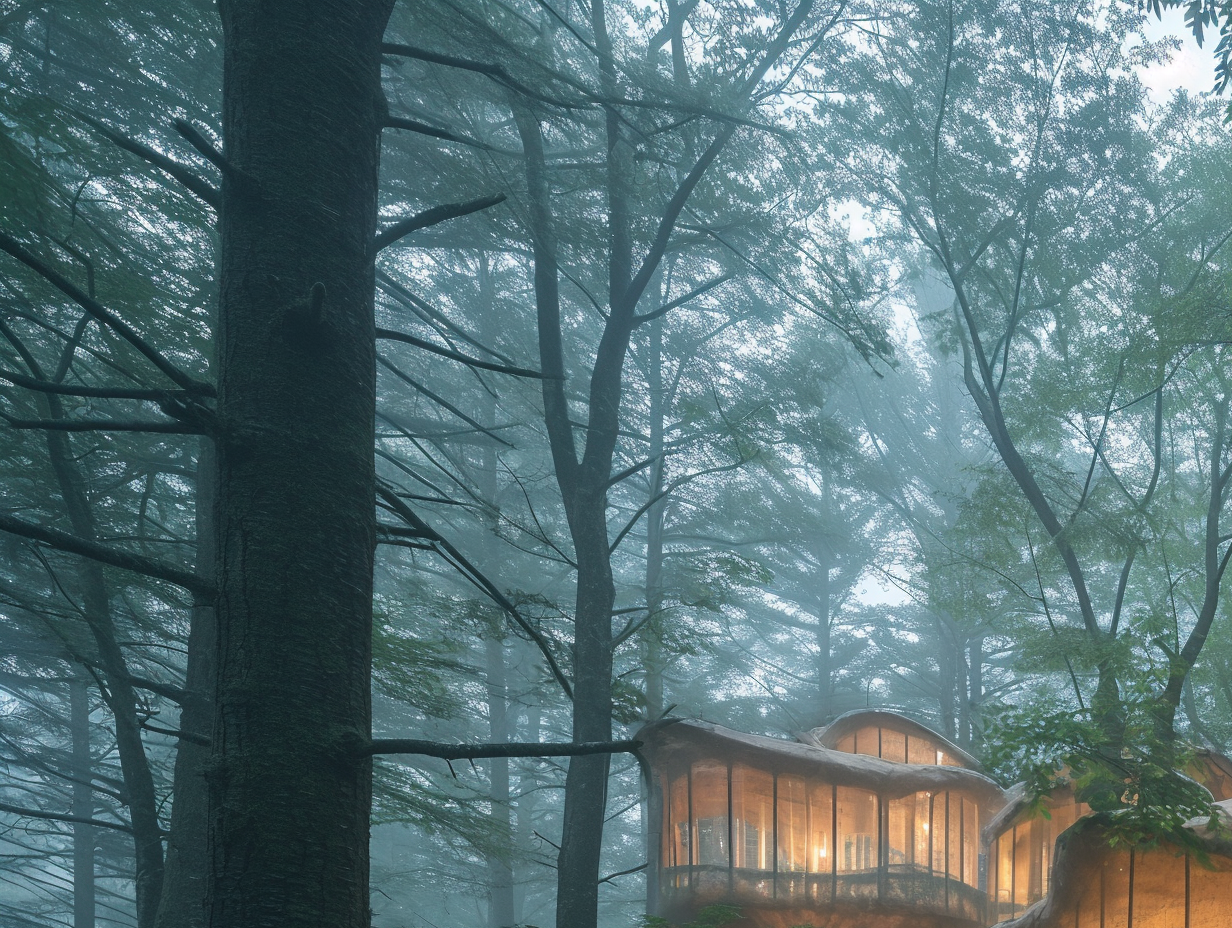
(403, 403)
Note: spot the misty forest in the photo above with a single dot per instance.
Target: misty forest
(448, 445)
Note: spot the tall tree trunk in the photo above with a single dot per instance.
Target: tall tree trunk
(524, 829)
(183, 899)
(119, 694)
(825, 623)
(83, 806)
(975, 693)
(290, 795)
(499, 865)
(583, 486)
(947, 682)
(577, 889)
(964, 701)
(653, 637)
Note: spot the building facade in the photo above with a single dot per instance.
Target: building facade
(872, 822)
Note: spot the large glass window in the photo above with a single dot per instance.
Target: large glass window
(907, 818)
(753, 818)
(971, 843)
(709, 796)
(1003, 870)
(676, 835)
(857, 830)
(954, 836)
(792, 825)
(1022, 865)
(821, 828)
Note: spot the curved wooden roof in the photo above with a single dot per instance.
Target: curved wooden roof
(853, 721)
(685, 741)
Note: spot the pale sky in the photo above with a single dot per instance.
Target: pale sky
(1191, 68)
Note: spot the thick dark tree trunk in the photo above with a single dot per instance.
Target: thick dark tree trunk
(295, 515)
(577, 888)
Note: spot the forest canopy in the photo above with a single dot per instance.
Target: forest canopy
(404, 403)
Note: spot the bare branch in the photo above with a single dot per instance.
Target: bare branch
(431, 217)
(631, 470)
(106, 393)
(472, 573)
(191, 737)
(612, 876)
(440, 400)
(125, 560)
(101, 313)
(455, 356)
(101, 425)
(422, 128)
(58, 817)
(205, 191)
(486, 750)
(680, 301)
(496, 72)
(423, 308)
(208, 151)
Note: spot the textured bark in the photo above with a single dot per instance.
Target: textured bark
(295, 517)
(583, 486)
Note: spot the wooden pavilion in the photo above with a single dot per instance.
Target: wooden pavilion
(878, 822)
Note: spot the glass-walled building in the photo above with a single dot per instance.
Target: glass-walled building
(784, 827)
(1021, 846)
(878, 822)
(1095, 885)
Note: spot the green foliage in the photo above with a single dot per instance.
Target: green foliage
(1137, 785)
(409, 662)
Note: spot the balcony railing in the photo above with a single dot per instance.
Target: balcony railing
(896, 884)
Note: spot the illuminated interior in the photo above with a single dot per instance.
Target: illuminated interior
(1020, 855)
(752, 825)
(876, 819)
(1098, 886)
